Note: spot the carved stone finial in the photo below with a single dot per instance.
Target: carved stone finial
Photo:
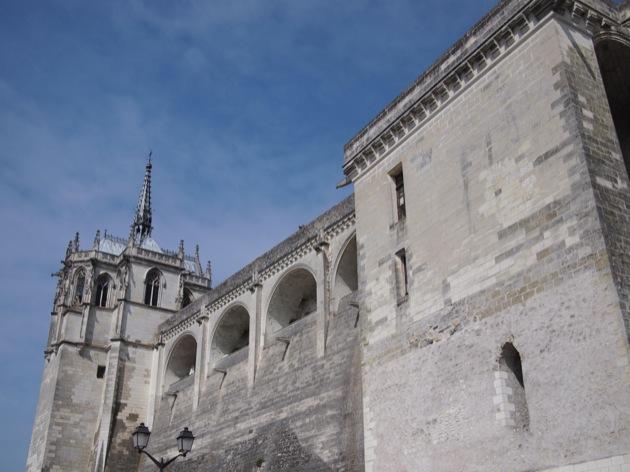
(69, 248)
(131, 240)
(180, 249)
(209, 273)
(97, 240)
(77, 242)
(197, 253)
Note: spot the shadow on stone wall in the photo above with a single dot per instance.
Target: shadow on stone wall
(274, 449)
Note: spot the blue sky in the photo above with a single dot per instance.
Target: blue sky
(245, 103)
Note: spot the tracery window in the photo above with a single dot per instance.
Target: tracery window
(102, 290)
(152, 288)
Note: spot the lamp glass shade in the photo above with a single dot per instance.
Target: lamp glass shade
(185, 441)
(141, 437)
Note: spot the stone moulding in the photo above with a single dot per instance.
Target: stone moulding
(282, 263)
(193, 279)
(459, 68)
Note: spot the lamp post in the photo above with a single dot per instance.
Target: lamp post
(141, 440)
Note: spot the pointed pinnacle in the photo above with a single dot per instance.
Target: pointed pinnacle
(141, 227)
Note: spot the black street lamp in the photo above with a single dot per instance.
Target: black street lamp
(141, 440)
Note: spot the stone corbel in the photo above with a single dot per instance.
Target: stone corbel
(255, 281)
(321, 243)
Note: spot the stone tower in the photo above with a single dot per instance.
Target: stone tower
(102, 343)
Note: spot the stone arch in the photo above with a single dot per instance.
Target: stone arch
(182, 360)
(231, 333)
(509, 385)
(613, 55)
(293, 298)
(346, 278)
(153, 287)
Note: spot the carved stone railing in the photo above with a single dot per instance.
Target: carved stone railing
(116, 239)
(164, 258)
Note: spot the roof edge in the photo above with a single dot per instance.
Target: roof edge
(492, 23)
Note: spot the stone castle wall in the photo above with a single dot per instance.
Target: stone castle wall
(504, 243)
(302, 413)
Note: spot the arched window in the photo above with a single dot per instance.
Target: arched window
(102, 290)
(293, 299)
(510, 389)
(181, 362)
(79, 287)
(187, 297)
(152, 288)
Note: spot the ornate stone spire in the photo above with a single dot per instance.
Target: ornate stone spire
(141, 227)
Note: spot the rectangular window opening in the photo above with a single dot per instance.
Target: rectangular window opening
(399, 192)
(402, 283)
(100, 372)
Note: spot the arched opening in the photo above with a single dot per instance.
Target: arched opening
(187, 297)
(613, 55)
(181, 363)
(152, 288)
(102, 290)
(79, 287)
(294, 298)
(346, 277)
(231, 334)
(511, 388)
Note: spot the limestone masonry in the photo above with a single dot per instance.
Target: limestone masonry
(467, 309)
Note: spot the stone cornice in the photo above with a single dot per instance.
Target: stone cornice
(196, 280)
(500, 32)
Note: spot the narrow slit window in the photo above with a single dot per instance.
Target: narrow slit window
(399, 188)
(100, 372)
(402, 282)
